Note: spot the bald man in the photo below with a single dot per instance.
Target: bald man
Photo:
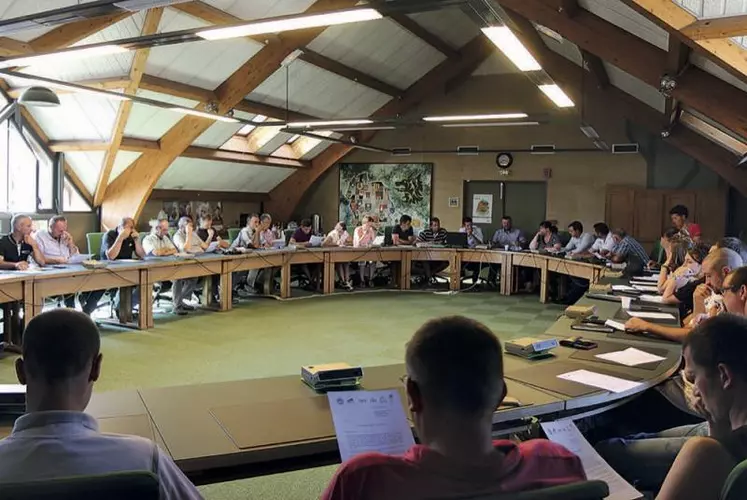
(734, 292)
(716, 267)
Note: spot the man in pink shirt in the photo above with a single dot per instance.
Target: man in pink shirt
(454, 384)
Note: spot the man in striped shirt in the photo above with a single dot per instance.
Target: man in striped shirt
(628, 250)
(434, 235)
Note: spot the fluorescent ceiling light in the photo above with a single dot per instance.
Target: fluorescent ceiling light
(507, 42)
(68, 55)
(507, 124)
(291, 23)
(329, 123)
(202, 114)
(457, 118)
(351, 129)
(557, 95)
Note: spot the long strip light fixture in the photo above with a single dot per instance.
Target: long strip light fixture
(329, 123)
(556, 95)
(291, 23)
(64, 55)
(511, 46)
(469, 118)
(483, 124)
(203, 114)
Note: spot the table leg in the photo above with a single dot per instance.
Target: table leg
(329, 275)
(455, 271)
(145, 320)
(507, 274)
(30, 306)
(544, 277)
(207, 291)
(405, 271)
(285, 281)
(226, 289)
(8, 322)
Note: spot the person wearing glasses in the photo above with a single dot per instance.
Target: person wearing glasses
(734, 292)
(454, 384)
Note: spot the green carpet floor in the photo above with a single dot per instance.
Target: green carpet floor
(265, 338)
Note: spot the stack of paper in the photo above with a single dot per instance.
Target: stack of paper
(647, 288)
(615, 324)
(565, 432)
(650, 279)
(593, 379)
(630, 357)
(650, 315)
(623, 288)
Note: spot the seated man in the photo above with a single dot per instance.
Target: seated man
(628, 250)
(474, 238)
(679, 214)
(454, 384)
(734, 292)
(508, 235)
(16, 249)
(243, 243)
(54, 439)
(208, 235)
(714, 355)
(402, 233)
(605, 243)
(435, 235)
(159, 244)
(301, 237)
(735, 244)
(580, 242)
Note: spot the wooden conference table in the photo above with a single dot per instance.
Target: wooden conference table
(229, 430)
(32, 287)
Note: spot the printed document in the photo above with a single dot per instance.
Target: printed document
(606, 382)
(650, 315)
(78, 258)
(630, 357)
(211, 247)
(615, 324)
(650, 279)
(370, 421)
(646, 288)
(623, 288)
(652, 298)
(565, 432)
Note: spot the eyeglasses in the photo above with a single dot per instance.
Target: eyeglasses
(729, 289)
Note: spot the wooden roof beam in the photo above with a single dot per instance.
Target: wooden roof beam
(339, 69)
(595, 66)
(286, 196)
(416, 29)
(720, 27)
(128, 193)
(71, 33)
(137, 70)
(697, 89)
(678, 59)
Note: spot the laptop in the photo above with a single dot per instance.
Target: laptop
(456, 240)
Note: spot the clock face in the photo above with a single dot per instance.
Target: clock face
(504, 160)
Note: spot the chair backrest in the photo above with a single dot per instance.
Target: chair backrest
(583, 490)
(658, 254)
(172, 232)
(565, 237)
(142, 485)
(388, 235)
(288, 234)
(735, 487)
(233, 232)
(94, 243)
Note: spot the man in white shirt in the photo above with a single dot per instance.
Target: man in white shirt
(580, 241)
(58, 246)
(158, 244)
(55, 438)
(186, 240)
(605, 243)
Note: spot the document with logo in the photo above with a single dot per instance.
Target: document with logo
(566, 433)
(368, 421)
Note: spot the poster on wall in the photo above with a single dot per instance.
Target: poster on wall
(386, 191)
(482, 208)
(174, 210)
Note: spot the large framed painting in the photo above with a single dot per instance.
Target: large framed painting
(387, 191)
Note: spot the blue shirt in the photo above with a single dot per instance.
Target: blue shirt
(512, 237)
(54, 444)
(579, 245)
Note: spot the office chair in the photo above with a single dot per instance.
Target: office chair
(735, 487)
(233, 232)
(583, 490)
(142, 485)
(94, 241)
(565, 237)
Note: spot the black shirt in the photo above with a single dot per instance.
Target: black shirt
(12, 251)
(685, 296)
(736, 443)
(404, 236)
(203, 234)
(126, 251)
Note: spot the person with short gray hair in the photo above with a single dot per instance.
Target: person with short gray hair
(18, 246)
(55, 242)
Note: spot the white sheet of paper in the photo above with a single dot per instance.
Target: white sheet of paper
(211, 247)
(647, 288)
(566, 433)
(615, 324)
(652, 298)
(316, 241)
(625, 301)
(630, 357)
(650, 315)
(78, 258)
(12, 388)
(623, 288)
(370, 421)
(606, 382)
(650, 279)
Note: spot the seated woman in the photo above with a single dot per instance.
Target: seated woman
(714, 355)
(364, 236)
(673, 259)
(688, 272)
(339, 237)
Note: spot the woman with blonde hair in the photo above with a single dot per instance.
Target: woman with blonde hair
(339, 237)
(364, 236)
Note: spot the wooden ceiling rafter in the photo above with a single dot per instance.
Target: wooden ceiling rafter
(128, 193)
(612, 101)
(409, 24)
(697, 89)
(286, 196)
(137, 70)
(678, 59)
(719, 27)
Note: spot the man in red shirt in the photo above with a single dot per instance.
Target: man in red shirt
(454, 384)
(679, 214)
